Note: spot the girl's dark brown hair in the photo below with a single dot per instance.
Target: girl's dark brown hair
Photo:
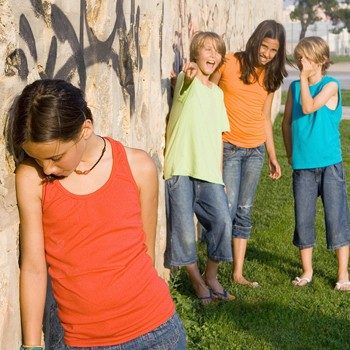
(275, 70)
(46, 110)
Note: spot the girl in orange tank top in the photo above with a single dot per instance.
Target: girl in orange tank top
(88, 213)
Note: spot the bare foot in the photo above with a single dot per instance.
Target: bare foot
(244, 282)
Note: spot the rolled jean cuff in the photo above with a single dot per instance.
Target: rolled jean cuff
(340, 245)
(220, 259)
(241, 232)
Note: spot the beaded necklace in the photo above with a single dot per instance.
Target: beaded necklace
(85, 172)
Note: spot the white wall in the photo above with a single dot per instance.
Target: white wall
(121, 53)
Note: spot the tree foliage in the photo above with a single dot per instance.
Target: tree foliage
(310, 11)
(341, 18)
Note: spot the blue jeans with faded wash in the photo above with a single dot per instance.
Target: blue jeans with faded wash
(53, 330)
(242, 169)
(328, 183)
(168, 336)
(185, 197)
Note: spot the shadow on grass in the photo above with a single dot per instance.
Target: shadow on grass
(289, 266)
(271, 259)
(281, 327)
(265, 325)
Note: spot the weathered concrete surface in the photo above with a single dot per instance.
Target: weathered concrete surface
(121, 53)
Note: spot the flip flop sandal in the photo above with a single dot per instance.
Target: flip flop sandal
(343, 286)
(209, 299)
(248, 284)
(224, 295)
(299, 282)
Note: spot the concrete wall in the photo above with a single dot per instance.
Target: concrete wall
(121, 54)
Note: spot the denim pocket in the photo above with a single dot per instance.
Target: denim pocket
(338, 171)
(167, 335)
(296, 173)
(229, 149)
(260, 150)
(54, 340)
(173, 182)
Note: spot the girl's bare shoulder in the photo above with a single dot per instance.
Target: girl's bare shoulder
(29, 177)
(141, 164)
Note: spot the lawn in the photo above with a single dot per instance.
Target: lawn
(345, 97)
(277, 315)
(334, 59)
(338, 59)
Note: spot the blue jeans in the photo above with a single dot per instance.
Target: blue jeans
(242, 169)
(168, 336)
(329, 183)
(53, 330)
(184, 197)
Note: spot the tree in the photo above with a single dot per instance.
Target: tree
(341, 18)
(310, 11)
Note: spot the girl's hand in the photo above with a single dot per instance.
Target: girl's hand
(173, 78)
(274, 169)
(190, 69)
(307, 68)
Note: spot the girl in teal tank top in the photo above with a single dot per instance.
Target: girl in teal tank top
(312, 141)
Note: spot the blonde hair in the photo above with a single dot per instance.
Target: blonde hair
(198, 40)
(315, 49)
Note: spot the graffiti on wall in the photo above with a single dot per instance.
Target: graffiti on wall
(83, 55)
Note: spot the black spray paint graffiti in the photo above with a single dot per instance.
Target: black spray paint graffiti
(83, 56)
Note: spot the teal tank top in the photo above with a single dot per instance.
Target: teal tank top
(315, 136)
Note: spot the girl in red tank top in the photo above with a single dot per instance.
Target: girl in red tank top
(88, 213)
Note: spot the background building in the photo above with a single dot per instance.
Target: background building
(339, 44)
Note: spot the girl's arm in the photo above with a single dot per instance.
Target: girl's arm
(274, 167)
(286, 126)
(145, 174)
(328, 94)
(33, 270)
(215, 77)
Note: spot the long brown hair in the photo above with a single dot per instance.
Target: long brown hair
(275, 70)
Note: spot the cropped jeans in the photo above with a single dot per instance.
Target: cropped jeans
(328, 183)
(242, 169)
(184, 197)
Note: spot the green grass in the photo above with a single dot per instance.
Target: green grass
(284, 97)
(335, 59)
(345, 97)
(277, 315)
(338, 59)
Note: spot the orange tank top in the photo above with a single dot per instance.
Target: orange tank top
(105, 285)
(244, 105)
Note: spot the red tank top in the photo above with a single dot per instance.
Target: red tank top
(104, 282)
